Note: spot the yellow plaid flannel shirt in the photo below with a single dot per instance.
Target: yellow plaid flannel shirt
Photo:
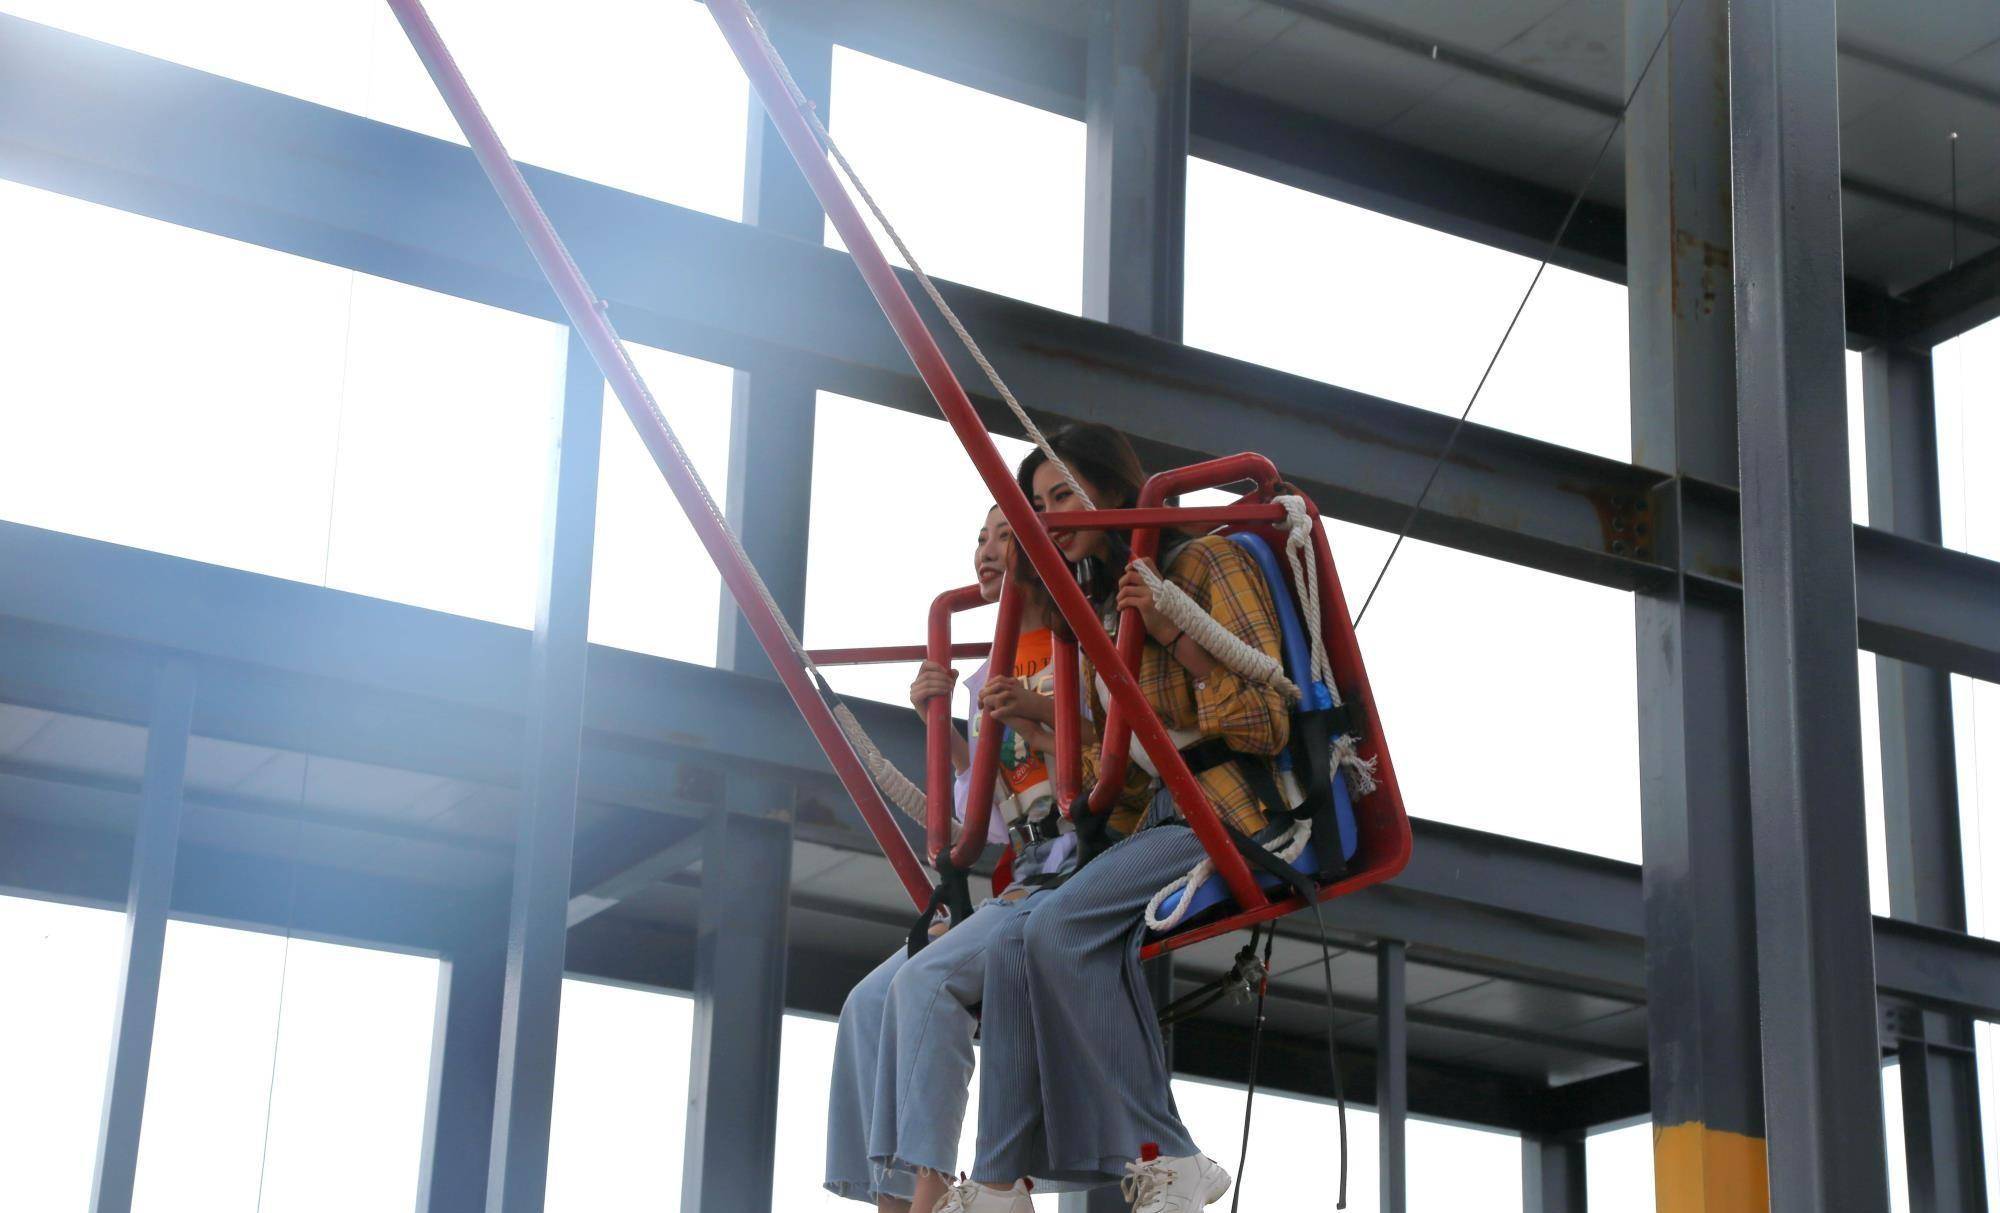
(1253, 719)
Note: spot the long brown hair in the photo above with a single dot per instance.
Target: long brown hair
(1103, 457)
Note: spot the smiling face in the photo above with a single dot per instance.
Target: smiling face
(989, 559)
(1053, 495)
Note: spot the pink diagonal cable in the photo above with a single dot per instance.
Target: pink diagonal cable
(586, 314)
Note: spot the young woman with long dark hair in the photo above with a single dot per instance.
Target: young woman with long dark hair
(1076, 1086)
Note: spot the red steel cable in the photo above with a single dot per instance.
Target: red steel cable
(735, 23)
(587, 315)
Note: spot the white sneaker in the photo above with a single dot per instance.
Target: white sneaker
(969, 1197)
(1174, 1185)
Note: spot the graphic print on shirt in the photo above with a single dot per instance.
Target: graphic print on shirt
(1021, 768)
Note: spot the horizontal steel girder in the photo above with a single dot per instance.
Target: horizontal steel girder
(320, 671)
(157, 139)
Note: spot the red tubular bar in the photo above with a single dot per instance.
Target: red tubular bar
(1029, 534)
(586, 314)
(986, 755)
(1116, 754)
(937, 722)
(1174, 516)
(890, 654)
(1069, 731)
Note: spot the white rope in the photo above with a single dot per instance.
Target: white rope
(1298, 541)
(1287, 847)
(825, 137)
(1218, 641)
(897, 786)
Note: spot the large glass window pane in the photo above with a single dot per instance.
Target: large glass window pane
(1509, 696)
(445, 425)
(1967, 370)
(62, 965)
(1618, 1168)
(167, 389)
(896, 512)
(1294, 280)
(653, 587)
(1871, 708)
(285, 1074)
(643, 96)
(986, 191)
(620, 1114)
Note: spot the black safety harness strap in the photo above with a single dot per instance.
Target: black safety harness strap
(952, 895)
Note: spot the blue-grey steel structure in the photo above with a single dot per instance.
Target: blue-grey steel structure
(1497, 983)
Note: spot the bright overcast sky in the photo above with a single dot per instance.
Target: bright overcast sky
(247, 408)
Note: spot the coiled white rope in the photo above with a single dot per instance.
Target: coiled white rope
(1218, 641)
(897, 786)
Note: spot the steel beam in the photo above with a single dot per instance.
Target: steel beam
(324, 672)
(121, 129)
(537, 919)
(634, 877)
(1553, 1174)
(739, 1005)
(1701, 992)
(772, 409)
(1953, 303)
(1822, 1079)
(458, 1112)
(1135, 164)
(1941, 1113)
(1135, 202)
(1392, 1072)
(148, 899)
(1941, 1131)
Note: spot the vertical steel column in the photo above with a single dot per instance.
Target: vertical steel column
(1941, 1130)
(1822, 1078)
(1135, 168)
(465, 1050)
(1694, 784)
(772, 408)
(1135, 111)
(538, 911)
(155, 842)
(739, 1004)
(1392, 1071)
(1552, 1175)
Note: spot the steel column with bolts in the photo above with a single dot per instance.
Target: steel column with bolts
(772, 410)
(1816, 987)
(465, 1049)
(1694, 787)
(739, 1003)
(1941, 1115)
(538, 913)
(149, 893)
(1392, 1071)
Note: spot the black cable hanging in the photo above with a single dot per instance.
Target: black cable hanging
(1548, 252)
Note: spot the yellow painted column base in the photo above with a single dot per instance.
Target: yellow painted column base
(1697, 1169)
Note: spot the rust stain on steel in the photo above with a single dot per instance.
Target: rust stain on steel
(1717, 270)
(1625, 520)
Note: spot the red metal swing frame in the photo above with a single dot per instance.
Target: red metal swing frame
(1128, 714)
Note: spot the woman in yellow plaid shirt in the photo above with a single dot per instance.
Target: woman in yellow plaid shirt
(1074, 1083)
